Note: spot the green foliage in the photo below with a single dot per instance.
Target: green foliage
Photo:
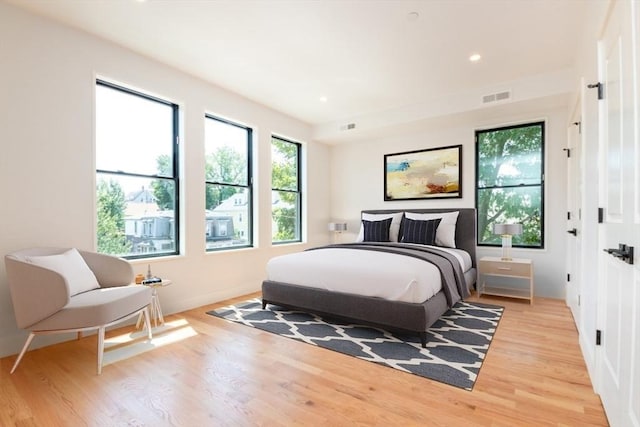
(224, 166)
(163, 189)
(284, 167)
(111, 207)
(509, 182)
(286, 219)
(284, 177)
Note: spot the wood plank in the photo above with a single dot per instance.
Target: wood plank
(231, 375)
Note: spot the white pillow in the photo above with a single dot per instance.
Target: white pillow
(72, 267)
(446, 233)
(394, 229)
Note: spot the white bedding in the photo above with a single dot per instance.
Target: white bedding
(369, 273)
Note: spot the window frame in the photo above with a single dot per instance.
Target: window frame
(541, 185)
(297, 191)
(175, 167)
(248, 186)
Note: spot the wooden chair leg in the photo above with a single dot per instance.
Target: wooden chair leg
(24, 350)
(101, 330)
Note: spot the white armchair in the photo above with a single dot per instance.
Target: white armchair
(57, 290)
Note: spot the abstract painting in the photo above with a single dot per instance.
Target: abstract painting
(433, 173)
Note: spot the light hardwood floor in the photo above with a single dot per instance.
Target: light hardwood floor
(231, 375)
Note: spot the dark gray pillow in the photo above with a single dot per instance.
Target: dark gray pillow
(416, 231)
(376, 231)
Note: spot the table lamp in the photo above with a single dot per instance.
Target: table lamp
(507, 231)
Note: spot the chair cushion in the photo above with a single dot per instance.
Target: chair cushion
(72, 267)
(97, 307)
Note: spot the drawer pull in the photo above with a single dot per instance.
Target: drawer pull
(504, 268)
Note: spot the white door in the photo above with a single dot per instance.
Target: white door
(618, 364)
(574, 203)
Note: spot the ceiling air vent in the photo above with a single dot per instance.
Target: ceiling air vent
(348, 126)
(496, 97)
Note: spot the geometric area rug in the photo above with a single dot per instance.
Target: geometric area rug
(456, 343)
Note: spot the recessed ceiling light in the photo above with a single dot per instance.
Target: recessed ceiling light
(323, 99)
(475, 57)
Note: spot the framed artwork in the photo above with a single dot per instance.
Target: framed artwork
(434, 173)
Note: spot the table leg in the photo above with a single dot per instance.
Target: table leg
(140, 321)
(155, 311)
(159, 316)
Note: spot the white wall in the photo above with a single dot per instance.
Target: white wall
(357, 178)
(47, 165)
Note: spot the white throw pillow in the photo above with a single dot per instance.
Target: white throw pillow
(72, 267)
(394, 229)
(446, 233)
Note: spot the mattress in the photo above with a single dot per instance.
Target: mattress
(368, 273)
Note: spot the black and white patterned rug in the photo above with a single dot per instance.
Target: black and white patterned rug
(456, 343)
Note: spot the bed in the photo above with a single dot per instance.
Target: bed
(361, 296)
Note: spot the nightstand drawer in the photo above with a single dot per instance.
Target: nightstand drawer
(505, 268)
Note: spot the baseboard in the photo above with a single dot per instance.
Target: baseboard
(589, 359)
(170, 307)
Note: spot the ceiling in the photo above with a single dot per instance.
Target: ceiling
(365, 57)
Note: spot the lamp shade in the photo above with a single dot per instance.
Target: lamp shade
(507, 229)
(338, 226)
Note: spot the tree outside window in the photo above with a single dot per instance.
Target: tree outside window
(286, 194)
(510, 183)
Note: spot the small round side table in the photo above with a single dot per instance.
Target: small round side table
(155, 308)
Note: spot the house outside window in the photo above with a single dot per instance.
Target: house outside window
(510, 183)
(136, 173)
(286, 195)
(228, 186)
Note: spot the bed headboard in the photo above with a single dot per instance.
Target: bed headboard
(465, 227)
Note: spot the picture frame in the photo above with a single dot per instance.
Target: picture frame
(433, 173)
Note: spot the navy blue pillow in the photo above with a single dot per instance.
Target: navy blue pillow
(376, 231)
(423, 232)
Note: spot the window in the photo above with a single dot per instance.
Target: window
(285, 191)
(228, 198)
(510, 183)
(136, 173)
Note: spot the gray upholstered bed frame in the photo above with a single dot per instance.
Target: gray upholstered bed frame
(391, 315)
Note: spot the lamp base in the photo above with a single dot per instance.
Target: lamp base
(506, 247)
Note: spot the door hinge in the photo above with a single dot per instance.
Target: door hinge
(568, 150)
(578, 300)
(598, 337)
(568, 277)
(579, 124)
(568, 215)
(600, 215)
(600, 87)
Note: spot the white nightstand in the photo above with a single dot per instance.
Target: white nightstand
(517, 268)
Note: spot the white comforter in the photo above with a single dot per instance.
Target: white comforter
(369, 273)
